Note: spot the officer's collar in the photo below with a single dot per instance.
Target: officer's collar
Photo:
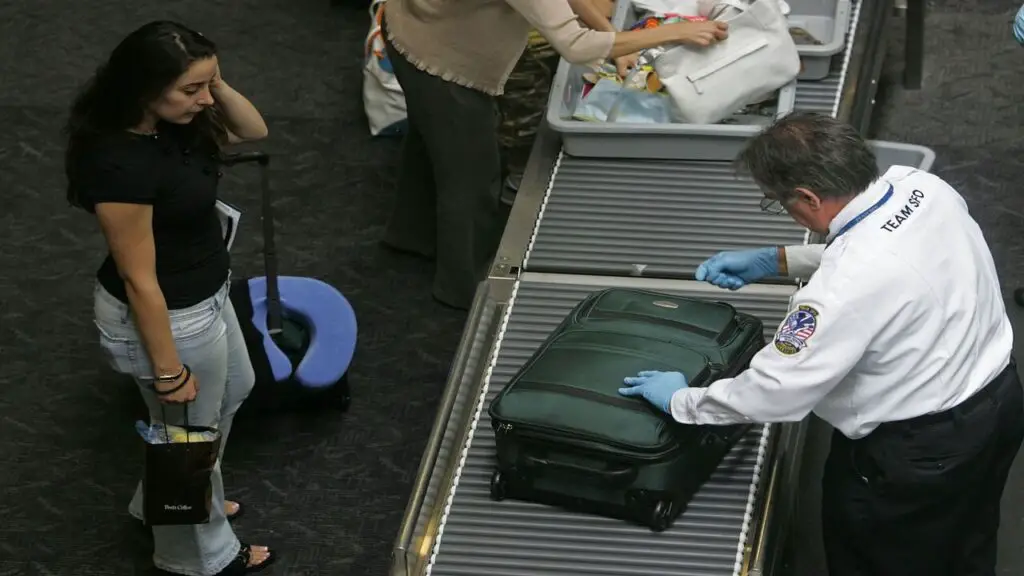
(858, 204)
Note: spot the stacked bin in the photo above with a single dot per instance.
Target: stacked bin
(629, 204)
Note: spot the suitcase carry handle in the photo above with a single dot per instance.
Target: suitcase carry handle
(269, 251)
(619, 476)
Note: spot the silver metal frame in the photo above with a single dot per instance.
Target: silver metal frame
(418, 530)
(779, 487)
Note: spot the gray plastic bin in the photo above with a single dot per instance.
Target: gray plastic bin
(825, 20)
(891, 154)
(638, 140)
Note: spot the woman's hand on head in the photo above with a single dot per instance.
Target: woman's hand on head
(217, 80)
(703, 33)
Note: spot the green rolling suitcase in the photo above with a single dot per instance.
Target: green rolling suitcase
(564, 435)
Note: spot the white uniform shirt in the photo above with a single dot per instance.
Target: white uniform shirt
(903, 317)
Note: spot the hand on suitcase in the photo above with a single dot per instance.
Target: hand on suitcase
(655, 387)
(734, 270)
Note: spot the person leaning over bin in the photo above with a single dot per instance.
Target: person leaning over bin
(452, 57)
(899, 339)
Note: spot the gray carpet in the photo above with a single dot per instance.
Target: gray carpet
(328, 490)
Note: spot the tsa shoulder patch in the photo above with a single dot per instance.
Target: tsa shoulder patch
(796, 330)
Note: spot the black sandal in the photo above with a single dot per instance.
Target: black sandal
(240, 565)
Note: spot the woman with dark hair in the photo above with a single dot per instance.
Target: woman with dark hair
(144, 138)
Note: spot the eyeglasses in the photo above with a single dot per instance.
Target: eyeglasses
(772, 206)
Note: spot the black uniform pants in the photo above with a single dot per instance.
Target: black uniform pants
(449, 187)
(921, 497)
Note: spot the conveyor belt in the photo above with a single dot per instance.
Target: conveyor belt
(650, 218)
(820, 96)
(480, 537)
(626, 217)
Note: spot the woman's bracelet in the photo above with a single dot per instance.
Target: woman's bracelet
(167, 379)
(185, 375)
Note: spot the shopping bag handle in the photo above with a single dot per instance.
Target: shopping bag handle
(163, 416)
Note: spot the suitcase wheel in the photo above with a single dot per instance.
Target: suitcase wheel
(499, 486)
(661, 515)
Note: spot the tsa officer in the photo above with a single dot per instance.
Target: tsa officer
(899, 340)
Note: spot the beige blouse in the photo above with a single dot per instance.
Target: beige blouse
(477, 43)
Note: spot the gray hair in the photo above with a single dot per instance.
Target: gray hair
(812, 151)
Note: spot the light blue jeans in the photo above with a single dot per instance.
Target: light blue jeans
(210, 341)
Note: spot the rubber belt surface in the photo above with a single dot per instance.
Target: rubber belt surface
(480, 537)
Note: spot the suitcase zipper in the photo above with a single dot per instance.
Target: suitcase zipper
(590, 441)
(568, 390)
(696, 382)
(584, 442)
(507, 426)
(704, 332)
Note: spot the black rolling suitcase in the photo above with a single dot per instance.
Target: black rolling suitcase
(566, 437)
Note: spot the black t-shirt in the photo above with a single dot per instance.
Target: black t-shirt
(177, 173)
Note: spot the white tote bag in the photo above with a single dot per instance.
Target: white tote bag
(383, 99)
(707, 85)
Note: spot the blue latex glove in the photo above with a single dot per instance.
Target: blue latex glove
(1018, 25)
(655, 387)
(733, 270)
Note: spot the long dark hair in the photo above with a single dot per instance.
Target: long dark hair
(138, 71)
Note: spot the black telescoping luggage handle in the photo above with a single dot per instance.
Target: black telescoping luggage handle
(617, 476)
(269, 251)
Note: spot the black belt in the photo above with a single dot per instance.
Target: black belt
(986, 394)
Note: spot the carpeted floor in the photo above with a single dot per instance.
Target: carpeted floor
(327, 490)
